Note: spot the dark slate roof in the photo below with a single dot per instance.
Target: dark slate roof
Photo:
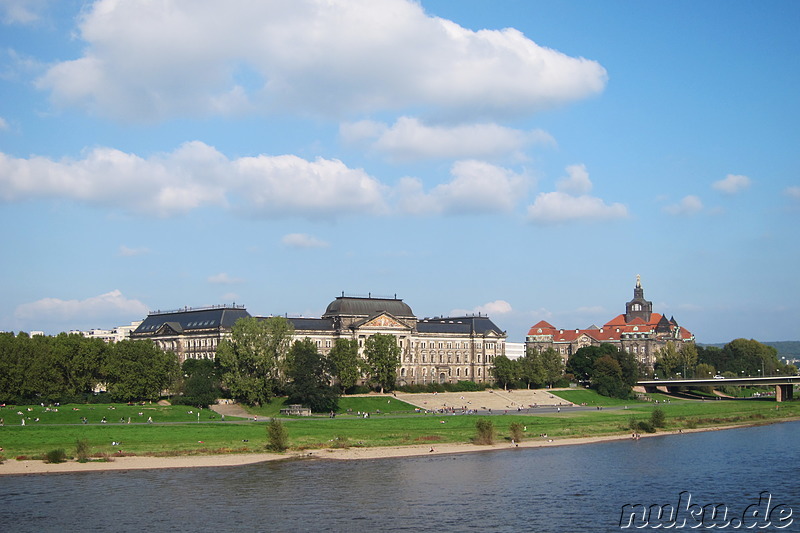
(481, 325)
(352, 306)
(191, 319)
(312, 324)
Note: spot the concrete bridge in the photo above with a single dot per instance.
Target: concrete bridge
(784, 385)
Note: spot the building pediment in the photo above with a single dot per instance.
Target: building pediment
(381, 321)
(170, 328)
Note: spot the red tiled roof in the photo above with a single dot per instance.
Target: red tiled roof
(546, 328)
(618, 320)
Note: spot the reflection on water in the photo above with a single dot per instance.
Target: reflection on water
(573, 488)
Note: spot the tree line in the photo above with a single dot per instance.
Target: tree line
(70, 367)
(260, 361)
(738, 358)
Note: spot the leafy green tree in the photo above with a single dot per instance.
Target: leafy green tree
(658, 418)
(553, 365)
(714, 356)
(505, 371)
(139, 370)
(607, 378)
(704, 370)
(752, 357)
(668, 361)
(345, 365)
(252, 360)
(581, 363)
(309, 378)
(530, 368)
(687, 359)
(78, 361)
(629, 366)
(201, 383)
(12, 367)
(382, 356)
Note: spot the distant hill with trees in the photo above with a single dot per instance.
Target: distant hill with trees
(786, 349)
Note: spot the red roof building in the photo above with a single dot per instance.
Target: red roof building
(639, 331)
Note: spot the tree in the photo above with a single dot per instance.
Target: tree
(687, 358)
(277, 436)
(607, 378)
(553, 365)
(668, 361)
(485, 431)
(139, 370)
(382, 359)
(505, 371)
(345, 365)
(629, 366)
(531, 370)
(78, 361)
(201, 384)
(252, 360)
(750, 356)
(309, 379)
(581, 363)
(704, 370)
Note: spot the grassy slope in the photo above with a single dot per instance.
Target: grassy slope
(184, 435)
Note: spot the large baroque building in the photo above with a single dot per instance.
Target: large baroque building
(639, 331)
(433, 350)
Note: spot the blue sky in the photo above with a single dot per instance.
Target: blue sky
(520, 158)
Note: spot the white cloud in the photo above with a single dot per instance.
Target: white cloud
(576, 181)
(152, 60)
(410, 139)
(497, 307)
(3, 124)
(477, 187)
(689, 205)
(792, 192)
(126, 251)
(555, 207)
(195, 175)
(303, 240)
(22, 11)
(571, 201)
(109, 309)
(732, 184)
(223, 279)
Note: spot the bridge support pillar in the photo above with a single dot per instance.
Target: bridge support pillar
(784, 392)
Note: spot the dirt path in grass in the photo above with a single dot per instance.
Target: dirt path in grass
(230, 409)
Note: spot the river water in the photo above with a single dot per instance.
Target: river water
(561, 489)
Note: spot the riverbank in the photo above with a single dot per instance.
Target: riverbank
(28, 467)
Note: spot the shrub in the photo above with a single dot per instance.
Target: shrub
(341, 442)
(658, 418)
(516, 429)
(645, 426)
(485, 431)
(641, 425)
(277, 437)
(82, 450)
(55, 456)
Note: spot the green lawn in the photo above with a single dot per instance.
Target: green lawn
(95, 413)
(176, 431)
(348, 406)
(590, 397)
